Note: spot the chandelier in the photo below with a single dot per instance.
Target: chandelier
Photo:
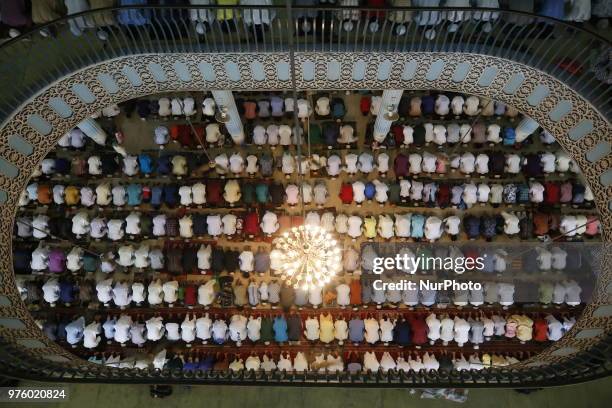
(306, 257)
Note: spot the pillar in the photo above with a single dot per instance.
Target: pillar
(92, 130)
(382, 126)
(525, 128)
(234, 126)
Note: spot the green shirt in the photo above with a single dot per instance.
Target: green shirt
(261, 190)
(394, 193)
(90, 263)
(314, 133)
(146, 225)
(248, 193)
(266, 332)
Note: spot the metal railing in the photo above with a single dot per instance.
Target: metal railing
(31, 62)
(571, 54)
(584, 366)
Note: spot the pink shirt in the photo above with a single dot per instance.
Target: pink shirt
(440, 166)
(593, 227)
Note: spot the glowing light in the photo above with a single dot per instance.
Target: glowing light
(306, 257)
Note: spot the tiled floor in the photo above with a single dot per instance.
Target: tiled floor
(589, 395)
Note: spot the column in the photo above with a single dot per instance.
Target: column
(234, 126)
(525, 128)
(92, 130)
(390, 97)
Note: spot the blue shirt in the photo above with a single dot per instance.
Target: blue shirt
(66, 292)
(190, 366)
(156, 196)
(417, 222)
(163, 165)
(509, 136)
(133, 16)
(338, 110)
(370, 190)
(432, 193)
(62, 166)
(523, 193)
(401, 333)
(427, 104)
(280, 329)
(330, 133)
(578, 194)
(472, 226)
(489, 225)
(356, 330)
(553, 8)
(171, 195)
(61, 330)
(146, 163)
(207, 363)
(488, 261)
(134, 194)
(21, 260)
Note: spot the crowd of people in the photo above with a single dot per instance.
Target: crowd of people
(122, 250)
(21, 15)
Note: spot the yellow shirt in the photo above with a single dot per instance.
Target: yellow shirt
(226, 14)
(369, 226)
(71, 195)
(498, 361)
(326, 328)
(524, 330)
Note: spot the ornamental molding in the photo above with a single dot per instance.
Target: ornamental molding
(187, 72)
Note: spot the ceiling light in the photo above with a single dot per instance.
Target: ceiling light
(306, 257)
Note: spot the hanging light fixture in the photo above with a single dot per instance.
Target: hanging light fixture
(306, 257)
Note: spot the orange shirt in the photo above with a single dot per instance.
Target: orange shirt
(284, 222)
(355, 291)
(250, 110)
(45, 196)
(297, 220)
(541, 224)
(329, 297)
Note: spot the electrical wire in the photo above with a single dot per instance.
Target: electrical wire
(55, 237)
(193, 130)
(296, 126)
(467, 132)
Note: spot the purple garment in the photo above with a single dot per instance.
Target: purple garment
(533, 167)
(566, 192)
(277, 104)
(400, 165)
(14, 13)
(57, 261)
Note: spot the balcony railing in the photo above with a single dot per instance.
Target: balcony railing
(47, 53)
(31, 62)
(584, 366)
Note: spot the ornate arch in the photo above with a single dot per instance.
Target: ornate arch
(34, 128)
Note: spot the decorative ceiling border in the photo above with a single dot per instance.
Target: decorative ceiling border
(196, 72)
